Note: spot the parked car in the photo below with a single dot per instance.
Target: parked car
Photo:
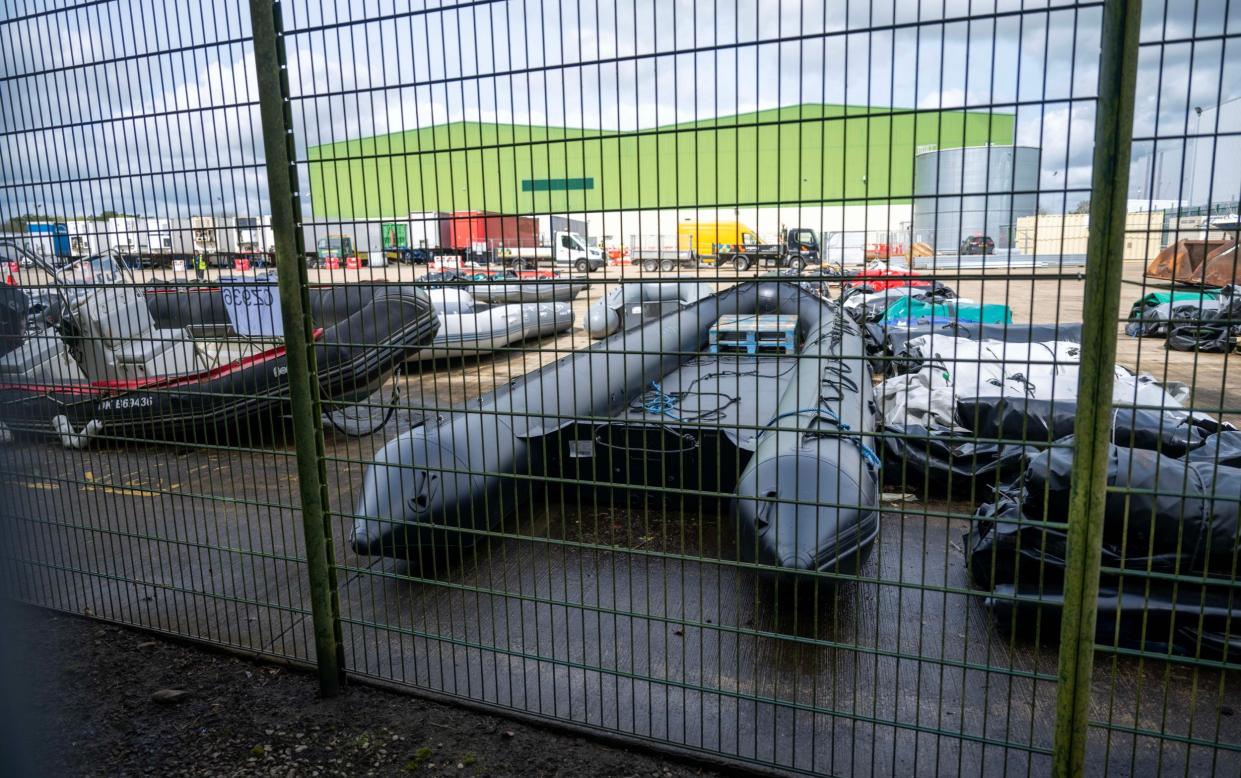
(978, 244)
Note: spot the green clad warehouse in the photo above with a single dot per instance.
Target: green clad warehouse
(808, 154)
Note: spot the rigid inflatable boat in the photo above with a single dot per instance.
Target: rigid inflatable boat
(468, 329)
(630, 305)
(788, 434)
(100, 355)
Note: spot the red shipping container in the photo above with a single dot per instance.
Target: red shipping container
(466, 230)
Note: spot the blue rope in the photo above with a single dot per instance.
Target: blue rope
(659, 402)
(823, 413)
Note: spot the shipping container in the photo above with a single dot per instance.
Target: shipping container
(214, 234)
(550, 225)
(395, 235)
(254, 235)
(482, 231)
(704, 239)
(182, 233)
(121, 234)
(86, 237)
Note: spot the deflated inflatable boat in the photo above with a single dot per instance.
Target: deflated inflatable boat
(510, 286)
(788, 434)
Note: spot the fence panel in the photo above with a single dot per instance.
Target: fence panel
(676, 529)
(146, 476)
(1166, 669)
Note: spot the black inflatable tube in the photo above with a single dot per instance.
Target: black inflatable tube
(807, 501)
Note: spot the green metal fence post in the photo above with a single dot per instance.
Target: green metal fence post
(1104, 265)
(269, 63)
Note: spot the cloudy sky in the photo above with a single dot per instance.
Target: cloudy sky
(150, 108)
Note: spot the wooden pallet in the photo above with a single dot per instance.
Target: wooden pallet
(754, 334)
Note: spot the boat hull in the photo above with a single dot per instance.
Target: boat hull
(527, 291)
(355, 355)
(468, 333)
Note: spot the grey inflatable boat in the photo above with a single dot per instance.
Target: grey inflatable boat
(633, 304)
(511, 289)
(789, 435)
(468, 329)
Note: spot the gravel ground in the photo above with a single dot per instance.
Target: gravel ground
(87, 697)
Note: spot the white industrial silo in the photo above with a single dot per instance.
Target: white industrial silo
(979, 190)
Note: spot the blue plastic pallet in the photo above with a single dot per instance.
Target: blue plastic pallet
(754, 334)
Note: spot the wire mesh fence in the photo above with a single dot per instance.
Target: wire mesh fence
(120, 121)
(731, 377)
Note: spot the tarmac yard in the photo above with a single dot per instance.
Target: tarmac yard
(618, 613)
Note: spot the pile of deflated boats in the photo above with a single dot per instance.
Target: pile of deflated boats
(510, 286)
(1207, 320)
(660, 406)
(985, 411)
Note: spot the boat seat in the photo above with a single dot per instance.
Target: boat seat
(123, 323)
(139, 351)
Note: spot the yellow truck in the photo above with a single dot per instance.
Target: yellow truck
(705, 239)
(736, 245)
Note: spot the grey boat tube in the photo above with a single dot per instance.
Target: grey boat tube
(808, 501)
(512, 290)
(437, 487)
(632, 304)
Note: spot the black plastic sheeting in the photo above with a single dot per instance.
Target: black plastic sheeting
(999, 435)
(1207, 325)
(1181, 519)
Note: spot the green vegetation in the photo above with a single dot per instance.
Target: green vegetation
(416, 761)
(799, 154)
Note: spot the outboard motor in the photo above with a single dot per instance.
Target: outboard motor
(14, 304)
